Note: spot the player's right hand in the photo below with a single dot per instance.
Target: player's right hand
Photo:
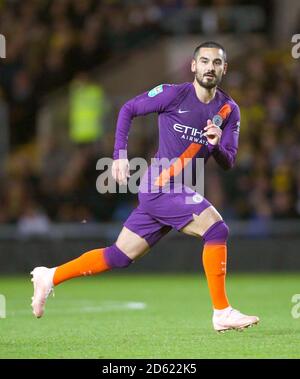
(120, 170)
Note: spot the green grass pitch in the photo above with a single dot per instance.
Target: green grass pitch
(149, 316)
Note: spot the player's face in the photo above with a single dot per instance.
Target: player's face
(209, 67)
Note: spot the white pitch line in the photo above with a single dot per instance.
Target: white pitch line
(100, 308)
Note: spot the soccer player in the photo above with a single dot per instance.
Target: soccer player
(196, 120)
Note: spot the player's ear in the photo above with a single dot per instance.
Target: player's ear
(225, 68)
(193, 66)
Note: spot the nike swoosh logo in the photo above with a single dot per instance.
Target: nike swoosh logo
(180, 111)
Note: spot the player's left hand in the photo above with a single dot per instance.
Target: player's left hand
(213, 133)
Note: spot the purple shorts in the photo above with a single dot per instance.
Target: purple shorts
(158, 213)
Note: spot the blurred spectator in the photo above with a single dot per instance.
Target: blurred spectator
(87, 110)
(33, 222)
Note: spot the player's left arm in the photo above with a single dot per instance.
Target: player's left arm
(223, 144)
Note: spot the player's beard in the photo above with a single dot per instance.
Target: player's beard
(209, 84)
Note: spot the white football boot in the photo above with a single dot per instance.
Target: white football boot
(231, 318)
(42, 278)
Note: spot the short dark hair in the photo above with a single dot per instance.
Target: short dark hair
(211, 44)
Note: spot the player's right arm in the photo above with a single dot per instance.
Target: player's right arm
(155, 101)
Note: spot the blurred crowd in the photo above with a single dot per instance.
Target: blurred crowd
(49, 43)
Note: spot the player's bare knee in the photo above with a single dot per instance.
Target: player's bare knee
(133, 251)
(203, 221)
(132, 244)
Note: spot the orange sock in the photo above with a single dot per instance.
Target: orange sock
(88, 263)
(214, 261)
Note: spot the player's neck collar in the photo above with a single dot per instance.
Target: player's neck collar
(200, 101)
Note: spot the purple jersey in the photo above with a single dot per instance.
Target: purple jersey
(181, 119)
